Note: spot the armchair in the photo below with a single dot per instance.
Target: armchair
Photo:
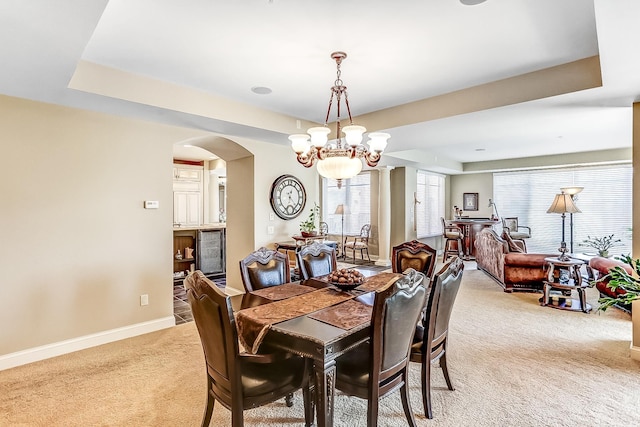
(515, 230)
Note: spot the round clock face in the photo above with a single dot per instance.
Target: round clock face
(288, 196)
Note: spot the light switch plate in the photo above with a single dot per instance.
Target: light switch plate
(151, 204)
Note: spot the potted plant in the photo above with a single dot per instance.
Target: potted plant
(308, 227)
(601, 244)
(618, 278)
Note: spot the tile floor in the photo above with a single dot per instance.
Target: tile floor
(181, 309)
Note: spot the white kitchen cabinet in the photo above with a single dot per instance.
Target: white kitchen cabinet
(187, 208)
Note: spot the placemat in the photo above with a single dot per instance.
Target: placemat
(280, 292)
(345, 315)
(379, 281)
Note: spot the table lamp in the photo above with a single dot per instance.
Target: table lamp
(563, 204)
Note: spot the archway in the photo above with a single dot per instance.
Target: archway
(240, 232)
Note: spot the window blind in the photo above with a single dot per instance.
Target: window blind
(430, 194)
(355, 195)
(605, 204)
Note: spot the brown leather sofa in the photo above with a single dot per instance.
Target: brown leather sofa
(601, 266)
(506, 261)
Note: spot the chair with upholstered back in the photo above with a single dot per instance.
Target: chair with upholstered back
(515, 230)
(316, 259)
(323, 228)
(239, 381)
(380, 366)
(433, 344)
(453, 236)
(413, 254)
(359, 243)
(264, 268)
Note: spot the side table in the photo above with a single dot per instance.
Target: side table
(568, 279)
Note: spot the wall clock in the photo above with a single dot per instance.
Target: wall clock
(288, 196)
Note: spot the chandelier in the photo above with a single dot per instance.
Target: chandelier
(340, 158)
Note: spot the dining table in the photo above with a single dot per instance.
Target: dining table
(314, 319)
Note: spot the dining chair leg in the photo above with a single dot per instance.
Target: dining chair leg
(406, 402)
(372, 412)
(208, 411)
(426, 386)
(237, 417)
(445, 371)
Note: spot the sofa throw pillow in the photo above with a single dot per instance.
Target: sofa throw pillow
(512, 245)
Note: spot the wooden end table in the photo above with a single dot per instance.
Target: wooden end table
(558, 289)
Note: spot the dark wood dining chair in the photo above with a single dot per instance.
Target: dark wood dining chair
(264, 268)
(239, 381)
(359, 243)
(416, 255)
(373, 370)
(433, 343)
(420, 257)
(316, 259)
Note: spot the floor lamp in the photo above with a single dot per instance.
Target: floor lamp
(572, 191)
(563, 204)
(341, 210)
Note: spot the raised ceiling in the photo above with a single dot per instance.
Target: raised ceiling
(453, 84)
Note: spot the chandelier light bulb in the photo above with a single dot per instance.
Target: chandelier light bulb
(378, 141)
(353, 134)
(300, 143)
(319, 135)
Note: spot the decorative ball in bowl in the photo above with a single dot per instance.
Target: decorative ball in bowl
(346, 279)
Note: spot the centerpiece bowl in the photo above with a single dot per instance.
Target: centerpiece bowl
(345, 279)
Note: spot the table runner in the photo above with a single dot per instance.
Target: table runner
(280, 292)
(254, 323)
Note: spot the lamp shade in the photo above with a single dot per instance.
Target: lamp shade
(563, 203)
(339, 167)
(572, 191)
(342, 209)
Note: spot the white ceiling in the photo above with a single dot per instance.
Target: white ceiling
(398, 52)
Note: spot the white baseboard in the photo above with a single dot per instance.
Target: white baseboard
(35, 354)
(634, 352)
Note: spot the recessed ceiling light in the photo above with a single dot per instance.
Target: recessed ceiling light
(261, 90)
(471, 2)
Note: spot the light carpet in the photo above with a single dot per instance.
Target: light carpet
(513, 363)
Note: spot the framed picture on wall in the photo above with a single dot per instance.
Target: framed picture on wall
(470, 201)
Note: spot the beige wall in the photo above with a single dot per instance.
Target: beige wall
(78, 248)
(481, 183)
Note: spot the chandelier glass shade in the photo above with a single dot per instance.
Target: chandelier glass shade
(340, 158)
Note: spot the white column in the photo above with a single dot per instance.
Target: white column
(384, 218)
(214, 197)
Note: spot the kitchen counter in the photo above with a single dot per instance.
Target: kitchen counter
(214, 226)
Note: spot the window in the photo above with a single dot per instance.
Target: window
(355, 195)
(605, 203)
(430, 194)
